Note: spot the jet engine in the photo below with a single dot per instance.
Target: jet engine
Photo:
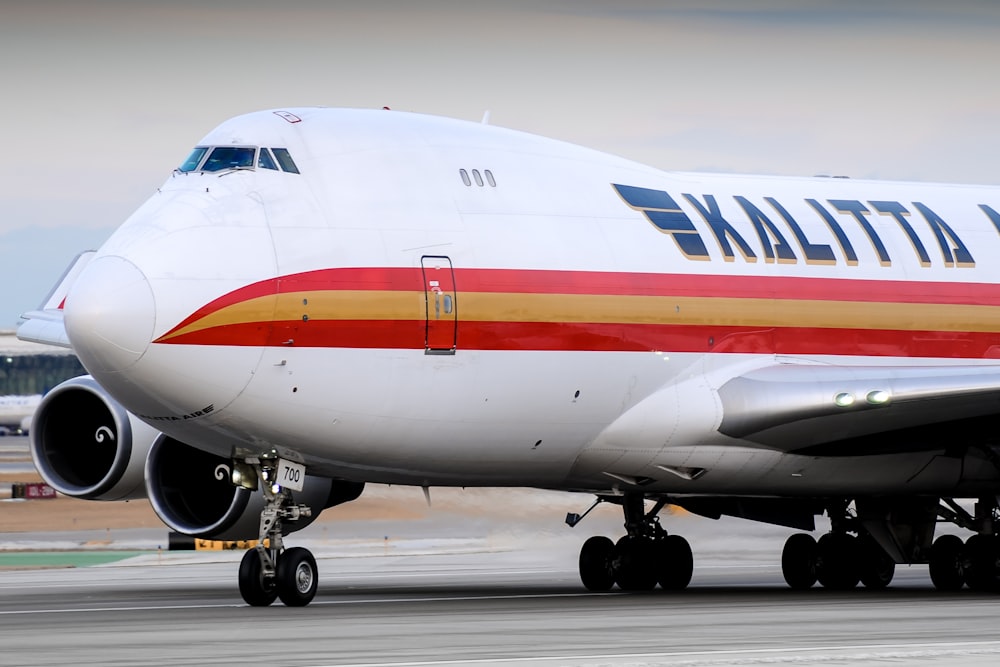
(86, 445)
(192, 493)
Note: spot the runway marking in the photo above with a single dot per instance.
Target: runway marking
(431, 575)
(461, 598)
(784, 654)
(314, 603)
(90, 610)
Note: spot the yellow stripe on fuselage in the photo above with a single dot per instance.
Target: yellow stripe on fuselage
(607, 309)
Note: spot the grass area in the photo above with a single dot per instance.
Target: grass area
(41, 559)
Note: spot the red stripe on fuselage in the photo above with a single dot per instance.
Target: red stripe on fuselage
(571, 336)
(531, 281)
(576, 337)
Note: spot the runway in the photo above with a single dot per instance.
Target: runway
(511, 601)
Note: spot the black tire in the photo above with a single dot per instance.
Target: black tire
(981, 562)
(596, 564)
(837, 561)
(297, 577)
(255, 589)
(876, 568)
(635, 564)
(674, 563)
(947, 563)
(798, 561)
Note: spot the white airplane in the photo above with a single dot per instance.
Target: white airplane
(320, 298)
(16, 412)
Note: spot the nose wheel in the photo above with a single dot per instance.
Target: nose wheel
(269, 571)
(296, 577)
(256, 589)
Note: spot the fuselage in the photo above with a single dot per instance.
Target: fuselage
(16, 410)
(429, 301)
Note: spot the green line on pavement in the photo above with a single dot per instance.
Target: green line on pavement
(39, 559)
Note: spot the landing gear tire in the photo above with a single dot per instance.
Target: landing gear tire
(597, 564)
(947, 563)
(257, 591)
(674, 563)
(837, 561)
(876, 568)
(798, 561)
(634, 564)
(981, 553)
(297, 577)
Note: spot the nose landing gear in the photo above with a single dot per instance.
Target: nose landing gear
(269, 571)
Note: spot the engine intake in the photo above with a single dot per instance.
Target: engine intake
(86, 445)
(191, 492)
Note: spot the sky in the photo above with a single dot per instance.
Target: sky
(103, 98)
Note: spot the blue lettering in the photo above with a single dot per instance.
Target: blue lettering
(952, 249)
(838, 232)
(859, 211)
(899, 213)
(772, 242)
(721, 228)
(815, 253)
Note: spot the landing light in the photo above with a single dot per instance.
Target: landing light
(878, 397)
(244, 476)
(843, 400)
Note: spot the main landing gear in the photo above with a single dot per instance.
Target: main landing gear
(644, 557)
(838, 560)
(976, 562)
(868, 537)
(269, 571)
(898, 531)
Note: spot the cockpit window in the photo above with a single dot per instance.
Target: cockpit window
(221, 158)
(229, 157)
(194, 159)
(265, 161)
(285, 160)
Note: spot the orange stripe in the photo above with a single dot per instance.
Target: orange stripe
(604, 309)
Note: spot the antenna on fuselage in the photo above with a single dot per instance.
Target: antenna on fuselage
(486, 117)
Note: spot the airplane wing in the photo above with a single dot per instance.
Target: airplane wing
(823, 409)
(45, 325)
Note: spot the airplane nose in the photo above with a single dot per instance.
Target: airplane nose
(110, 314)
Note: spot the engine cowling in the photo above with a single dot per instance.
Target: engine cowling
(191, 492)
(86, 445)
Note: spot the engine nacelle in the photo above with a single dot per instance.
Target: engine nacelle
(86, 445)
(192, 493)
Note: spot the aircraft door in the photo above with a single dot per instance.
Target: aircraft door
(442, 305)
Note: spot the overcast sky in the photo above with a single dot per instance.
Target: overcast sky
(103, 98)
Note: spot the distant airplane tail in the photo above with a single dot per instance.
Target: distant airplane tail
(45, 325)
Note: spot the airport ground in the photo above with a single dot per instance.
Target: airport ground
(482, 577)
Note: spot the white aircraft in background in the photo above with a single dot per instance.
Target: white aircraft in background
(319, 298)
(16, 412)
